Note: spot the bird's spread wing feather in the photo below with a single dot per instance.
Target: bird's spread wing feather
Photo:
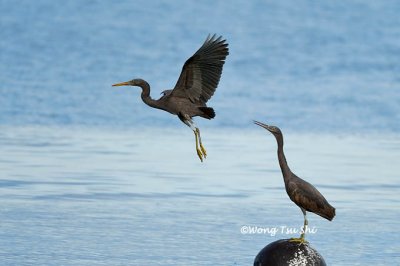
(201, 73)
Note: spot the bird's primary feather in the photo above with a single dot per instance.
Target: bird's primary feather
(201, 73)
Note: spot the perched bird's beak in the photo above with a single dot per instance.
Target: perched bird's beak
(271, 129)
(122, 84)
(261, 125)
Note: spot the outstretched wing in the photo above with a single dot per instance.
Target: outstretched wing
(201, 73)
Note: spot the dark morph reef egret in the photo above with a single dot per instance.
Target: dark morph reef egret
(305, 195)
(196, 85)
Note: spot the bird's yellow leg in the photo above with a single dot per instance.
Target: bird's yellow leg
(199, 153)
(302, 239)
(203, 150)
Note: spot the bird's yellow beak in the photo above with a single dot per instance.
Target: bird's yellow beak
(121, 84)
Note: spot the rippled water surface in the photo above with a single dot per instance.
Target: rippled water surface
(89, 175)
(323, 66)
(93, 196)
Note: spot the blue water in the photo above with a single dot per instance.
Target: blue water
(89, 196)
(89, 175)
(304, 65)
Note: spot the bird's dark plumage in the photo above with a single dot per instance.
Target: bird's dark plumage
(201, 73)
(208, 112)
(302, 193)
(306, 196)
(196, 85)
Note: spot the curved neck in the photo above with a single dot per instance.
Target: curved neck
(146, 93)
(281, 157)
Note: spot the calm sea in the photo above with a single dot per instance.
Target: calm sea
(89, 175)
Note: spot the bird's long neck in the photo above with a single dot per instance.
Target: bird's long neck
(282, 159)
(146, 94)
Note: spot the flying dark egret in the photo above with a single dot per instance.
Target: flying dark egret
(302, 193)
(196, 85)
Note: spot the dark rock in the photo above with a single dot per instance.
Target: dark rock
(284, 252)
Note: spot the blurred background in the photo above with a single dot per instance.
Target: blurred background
(90, 175)
(324, 66)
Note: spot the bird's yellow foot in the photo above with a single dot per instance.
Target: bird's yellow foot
(199, 154)
(300, 240)
(203, 150)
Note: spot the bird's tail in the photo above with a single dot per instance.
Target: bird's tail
(208, 112)
(328, 213)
